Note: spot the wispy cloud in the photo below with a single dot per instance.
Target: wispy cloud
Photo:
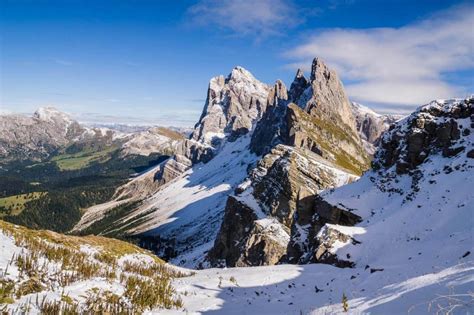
(405, 65)
(246, 17)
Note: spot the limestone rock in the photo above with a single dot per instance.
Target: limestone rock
(371, 125)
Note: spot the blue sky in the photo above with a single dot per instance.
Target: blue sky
(151, 61)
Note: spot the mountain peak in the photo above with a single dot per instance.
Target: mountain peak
(50, 113)
(232, 107)
(319, 68)
(241, 73)
(299, 74)
(298, 86)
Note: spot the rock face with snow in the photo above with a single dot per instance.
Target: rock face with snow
(152, 140)
(419, 188)
(35, 138)
(48, 131)
(232, 106)
(436, 128)
(269, 207)
(307, 148)
(371, 125)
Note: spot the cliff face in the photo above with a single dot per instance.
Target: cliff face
(371, 125)
(271, 206)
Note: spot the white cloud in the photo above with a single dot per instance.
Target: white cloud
(246, 17)
(403, 65)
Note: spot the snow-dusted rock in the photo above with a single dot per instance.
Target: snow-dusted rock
(232, 106)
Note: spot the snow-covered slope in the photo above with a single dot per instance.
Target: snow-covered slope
(421, 203)
(318, 289)
(43, 272)
(187, 211)
(412, 251)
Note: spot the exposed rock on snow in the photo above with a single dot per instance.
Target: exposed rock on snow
(282, 191)
(440, 126)
(322, 151)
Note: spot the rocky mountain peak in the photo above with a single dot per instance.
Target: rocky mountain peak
(327, 97)
(232, 107)
(318, 69)
(277, 92)
(51, 114)
(240, 73)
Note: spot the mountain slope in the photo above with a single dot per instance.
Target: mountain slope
(182, 211)
(46, 272)
(410, 250)
(180, 220)
(67, 166)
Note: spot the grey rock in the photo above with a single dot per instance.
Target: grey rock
(232, 107)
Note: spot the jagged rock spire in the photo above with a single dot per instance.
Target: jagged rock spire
(300, 83)
(328, 96)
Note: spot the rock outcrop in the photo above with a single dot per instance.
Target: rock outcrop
(432, 129)
(261, 218)
(420, 187)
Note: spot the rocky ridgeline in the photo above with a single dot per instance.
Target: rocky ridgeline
(309, 142)
(49, 131)
(301, 141)
(439, 127)
(314, 114)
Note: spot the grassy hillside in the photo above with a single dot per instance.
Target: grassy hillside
(14, 205)
(75, 161)
(47, 272)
